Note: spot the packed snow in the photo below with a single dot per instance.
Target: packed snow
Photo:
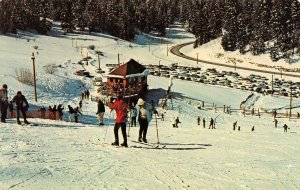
(65, 155)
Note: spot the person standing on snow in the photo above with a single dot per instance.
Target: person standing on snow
(198, 120)
(3, 103)
(177, 122)
(60, 109)
(80, 104)
(22, 105)
(76, 114)
(285, 127)
(72, 113)
(211, 123)
(100, 111)
(276, 122)
(203, 120)
(121, 108)
(144, 114)
(133, 112)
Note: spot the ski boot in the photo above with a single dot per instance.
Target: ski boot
(26, 122)
(124, 144)
(116, 143)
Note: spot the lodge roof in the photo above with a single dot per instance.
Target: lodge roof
(130, 68)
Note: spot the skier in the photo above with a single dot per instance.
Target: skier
(203, 120)
(3, 102)
(80, 104)
(133, 112)
(72, 114)
(177, 122)
(234, 125)
(285, 127)
(76, 114)
(276, 122)
(82, 95)
(252, 128)
(162, 116)
(20, 100)
(198, 120)
(144, 114)
(239, 128)
(60, 109)
(121, 108)
(211, 123)
(100, 111)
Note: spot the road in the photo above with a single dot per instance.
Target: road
(176, 51)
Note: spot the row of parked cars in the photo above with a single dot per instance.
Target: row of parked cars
(253, 82)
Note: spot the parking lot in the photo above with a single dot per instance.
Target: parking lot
(228, 79)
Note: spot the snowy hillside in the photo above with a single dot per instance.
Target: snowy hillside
(64, 155)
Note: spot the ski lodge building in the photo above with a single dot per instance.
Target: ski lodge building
(129, 80)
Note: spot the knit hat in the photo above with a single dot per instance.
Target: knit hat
(140, 102)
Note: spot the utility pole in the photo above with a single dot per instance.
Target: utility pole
(34, 79)
(281, 72)
(98, 53)
(167, 49)
(235, 66)
(149, 46)
(159, 68)
(272, 86)
(197, 58)
(118, 59)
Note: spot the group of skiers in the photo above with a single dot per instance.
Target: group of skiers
(142, 110)
(20, 102)
(85, 95)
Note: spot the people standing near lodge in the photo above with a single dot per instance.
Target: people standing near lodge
(121, 108)
(100, 112)
(133, 112)
(60, 109)
(76, 114)
(144, 114)
(21, 105)
(80, 104)
(72, 113)
(3, 103)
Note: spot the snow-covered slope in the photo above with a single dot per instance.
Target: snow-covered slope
(64, 155)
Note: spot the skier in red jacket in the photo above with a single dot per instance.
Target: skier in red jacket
(121, 108)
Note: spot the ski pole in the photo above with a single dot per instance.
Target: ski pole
(130, 119)
(156, 129)
(107, 127)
